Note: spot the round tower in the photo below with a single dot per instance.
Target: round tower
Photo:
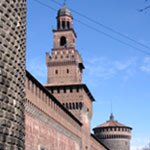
(12, 74)
(114, 134)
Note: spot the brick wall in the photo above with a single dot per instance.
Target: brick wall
(48, 123)
(43, 131)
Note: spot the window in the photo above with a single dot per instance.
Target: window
(68, 25)
(77, 107)
(80, 105)
(73, 106)
(67, 70)
(56, 71)
(70, 105)
(63, 41)
(64, 90)
(67, 105)
(63, 24)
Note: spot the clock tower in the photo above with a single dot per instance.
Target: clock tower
(65, 67)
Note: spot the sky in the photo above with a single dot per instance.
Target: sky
(117, 74)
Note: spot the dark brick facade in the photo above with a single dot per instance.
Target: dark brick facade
(12, 73)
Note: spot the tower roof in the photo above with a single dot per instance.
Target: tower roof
(112, 123)
(64, 11)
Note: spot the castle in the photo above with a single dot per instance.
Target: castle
(55, 116)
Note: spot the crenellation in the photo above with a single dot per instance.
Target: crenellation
(41, 101)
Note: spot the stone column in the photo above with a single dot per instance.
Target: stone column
(12, 73)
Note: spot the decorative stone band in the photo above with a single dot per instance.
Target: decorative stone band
(35, 112)
(61, 63)
(115, 136)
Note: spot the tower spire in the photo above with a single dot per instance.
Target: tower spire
(65, 2)
(111, 117)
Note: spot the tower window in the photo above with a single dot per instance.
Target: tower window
(63, 41)
(77, 106)
(56, 71)
(70, 105)
(63, 24)
(67, 105)
(73, 105)
(80, 105)
(67, 70)
(68, 25)
(64, 90)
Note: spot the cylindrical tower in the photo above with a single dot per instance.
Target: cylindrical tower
(12, 73)
(114, 134)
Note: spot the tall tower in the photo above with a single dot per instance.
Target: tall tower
(12, 73)
(65, 68)
(65, 64)
(114, 134)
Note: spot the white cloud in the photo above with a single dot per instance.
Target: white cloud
(138, 143)
(145, 67)
(122, 65)
(105, 68)
(136, 148)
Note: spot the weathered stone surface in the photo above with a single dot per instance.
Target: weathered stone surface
(12, 61)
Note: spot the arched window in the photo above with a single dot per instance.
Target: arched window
(68, 25)
(56, 71)
(67, 70)
(63, 41)
(70, 105)
(73, 106)
(80, 105)
(77, 107)
(67, 105)
(63, 24)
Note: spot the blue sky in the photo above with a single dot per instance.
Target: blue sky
(115, 73)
